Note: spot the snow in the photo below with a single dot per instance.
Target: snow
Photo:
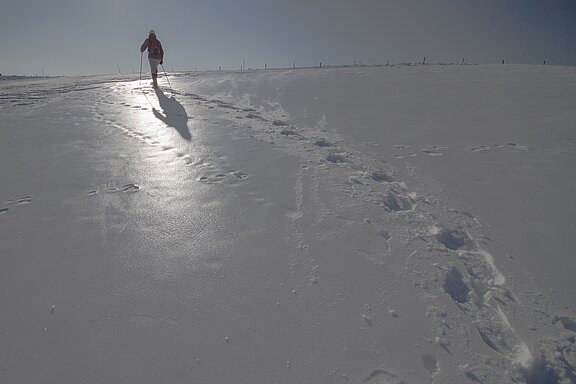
(406, 224)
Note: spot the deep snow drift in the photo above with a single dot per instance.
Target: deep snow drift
(339, 225)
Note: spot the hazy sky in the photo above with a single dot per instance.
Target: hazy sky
(95, 36)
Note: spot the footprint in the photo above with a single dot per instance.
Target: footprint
(454, 286)
(279, 123)
(498, 335)
(384, 233)
(336, 159)
(430, 362)
(381, 176)
(566, 321)
(255, 116)
(541, 372)
(430, 152)
(19, 201)
(126, 188)
(380, 376)
(212, 179)
(453, 239)
(323, 143)
(516, 147)
(434, 150)
(470, 375)
(481, 298)
(130, 188)
(480, 148)
(290, 132)
(394, 202)
(188, 160)
(239, 175)
(24, 200)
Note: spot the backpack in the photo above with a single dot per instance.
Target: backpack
(154, 46)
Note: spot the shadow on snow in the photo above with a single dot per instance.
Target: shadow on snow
(173, 114)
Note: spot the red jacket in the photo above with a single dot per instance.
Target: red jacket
(154, 47)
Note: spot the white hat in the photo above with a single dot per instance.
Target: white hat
(152, 32)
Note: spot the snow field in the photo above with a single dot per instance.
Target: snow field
(263, 226)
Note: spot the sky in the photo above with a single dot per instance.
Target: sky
(80, 37)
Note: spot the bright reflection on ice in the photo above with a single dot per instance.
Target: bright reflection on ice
(160, 161)
(156, 109)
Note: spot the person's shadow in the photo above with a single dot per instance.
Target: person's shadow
(173, 114)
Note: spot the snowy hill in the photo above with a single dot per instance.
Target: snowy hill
(337, 225)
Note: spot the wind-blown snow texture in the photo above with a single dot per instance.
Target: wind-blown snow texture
(337, 225)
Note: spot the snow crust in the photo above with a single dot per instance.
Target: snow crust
(336, 225)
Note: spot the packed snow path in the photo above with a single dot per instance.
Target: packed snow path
(241, 228)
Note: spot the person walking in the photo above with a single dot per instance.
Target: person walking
(155, 55)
